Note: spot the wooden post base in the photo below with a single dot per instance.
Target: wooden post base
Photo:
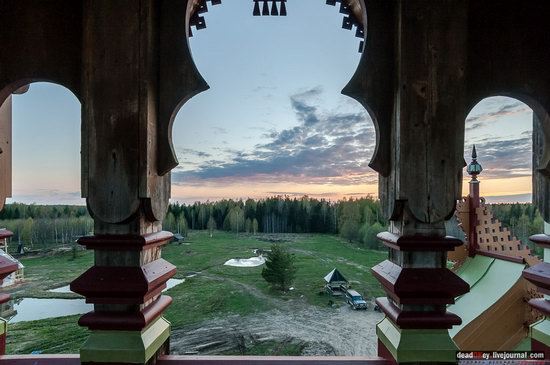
(125, 285)
(415, 345)
(126, 347)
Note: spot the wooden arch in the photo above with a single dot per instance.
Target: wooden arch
(361, 87)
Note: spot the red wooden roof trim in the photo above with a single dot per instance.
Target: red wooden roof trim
(408, 286)
(541, 304)
(125, 242)
(125, 321)
(418, 320)
(542, 240)
(499, 256)
(4, 233)
(4, 298)
(123, 285)
(419, 243)
(539, 275)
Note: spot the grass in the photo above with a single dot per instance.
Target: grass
(43, 273)
(51, 336)
(219, 290)
(198, 299)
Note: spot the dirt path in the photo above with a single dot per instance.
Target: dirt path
(252, 290)
(323, 331)
(329, 331)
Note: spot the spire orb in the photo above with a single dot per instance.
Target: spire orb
(474, 168)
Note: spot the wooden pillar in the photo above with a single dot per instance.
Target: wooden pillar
(125, 195)
(6, 126)
(5, 150)
(539, 275)
(424, 183)
(7, 267)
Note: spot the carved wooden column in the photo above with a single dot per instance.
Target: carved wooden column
(539, 274)
(7, 267)
(5, 150)
(424, 182)
(125, 195)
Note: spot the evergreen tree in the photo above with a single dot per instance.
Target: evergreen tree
(255, 226)
(279, 270)
(211, 226)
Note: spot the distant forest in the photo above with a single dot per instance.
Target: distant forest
(356, 220)
(39, 225)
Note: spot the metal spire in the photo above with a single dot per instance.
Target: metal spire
(474, 168)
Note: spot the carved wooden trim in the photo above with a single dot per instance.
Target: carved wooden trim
(541, 240)
(4, 298)
(123, 285)
(418, 243)
(126, 242)
(495, 255)
(419, 286)
(4, 233)
(7, 267)
(125, 321)
(540, 276)
(418, 320)
(541, 304)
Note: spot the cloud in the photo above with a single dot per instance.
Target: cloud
(188, 151)
(326, 147)
(511, 107)
(304, 111)
(504, 158)
(48, 196)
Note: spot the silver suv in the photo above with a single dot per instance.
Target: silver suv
(355, 300)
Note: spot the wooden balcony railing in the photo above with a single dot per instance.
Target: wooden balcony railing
(203, 360)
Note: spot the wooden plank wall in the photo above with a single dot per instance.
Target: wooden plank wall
(6, 153)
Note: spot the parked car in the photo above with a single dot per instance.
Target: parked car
(355, 300)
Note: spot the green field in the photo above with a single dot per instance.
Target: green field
(216, 291)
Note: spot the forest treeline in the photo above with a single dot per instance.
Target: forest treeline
(34, 224)
(358, 220)
(524, 220)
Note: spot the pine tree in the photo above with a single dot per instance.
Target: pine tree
(211, 226)
(279, 270)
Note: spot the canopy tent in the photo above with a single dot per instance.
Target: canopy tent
(335, 276)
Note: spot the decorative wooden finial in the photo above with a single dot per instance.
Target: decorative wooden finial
(474, 168)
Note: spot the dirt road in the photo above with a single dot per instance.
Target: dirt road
(324, 331)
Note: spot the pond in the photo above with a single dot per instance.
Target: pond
(169, 285)
(31, 309)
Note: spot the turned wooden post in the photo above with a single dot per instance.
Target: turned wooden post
(126, 196)
(5, 150)
(423, 182)
(539, 274)
(7, 267)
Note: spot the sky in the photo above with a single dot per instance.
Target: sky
(273, 122)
